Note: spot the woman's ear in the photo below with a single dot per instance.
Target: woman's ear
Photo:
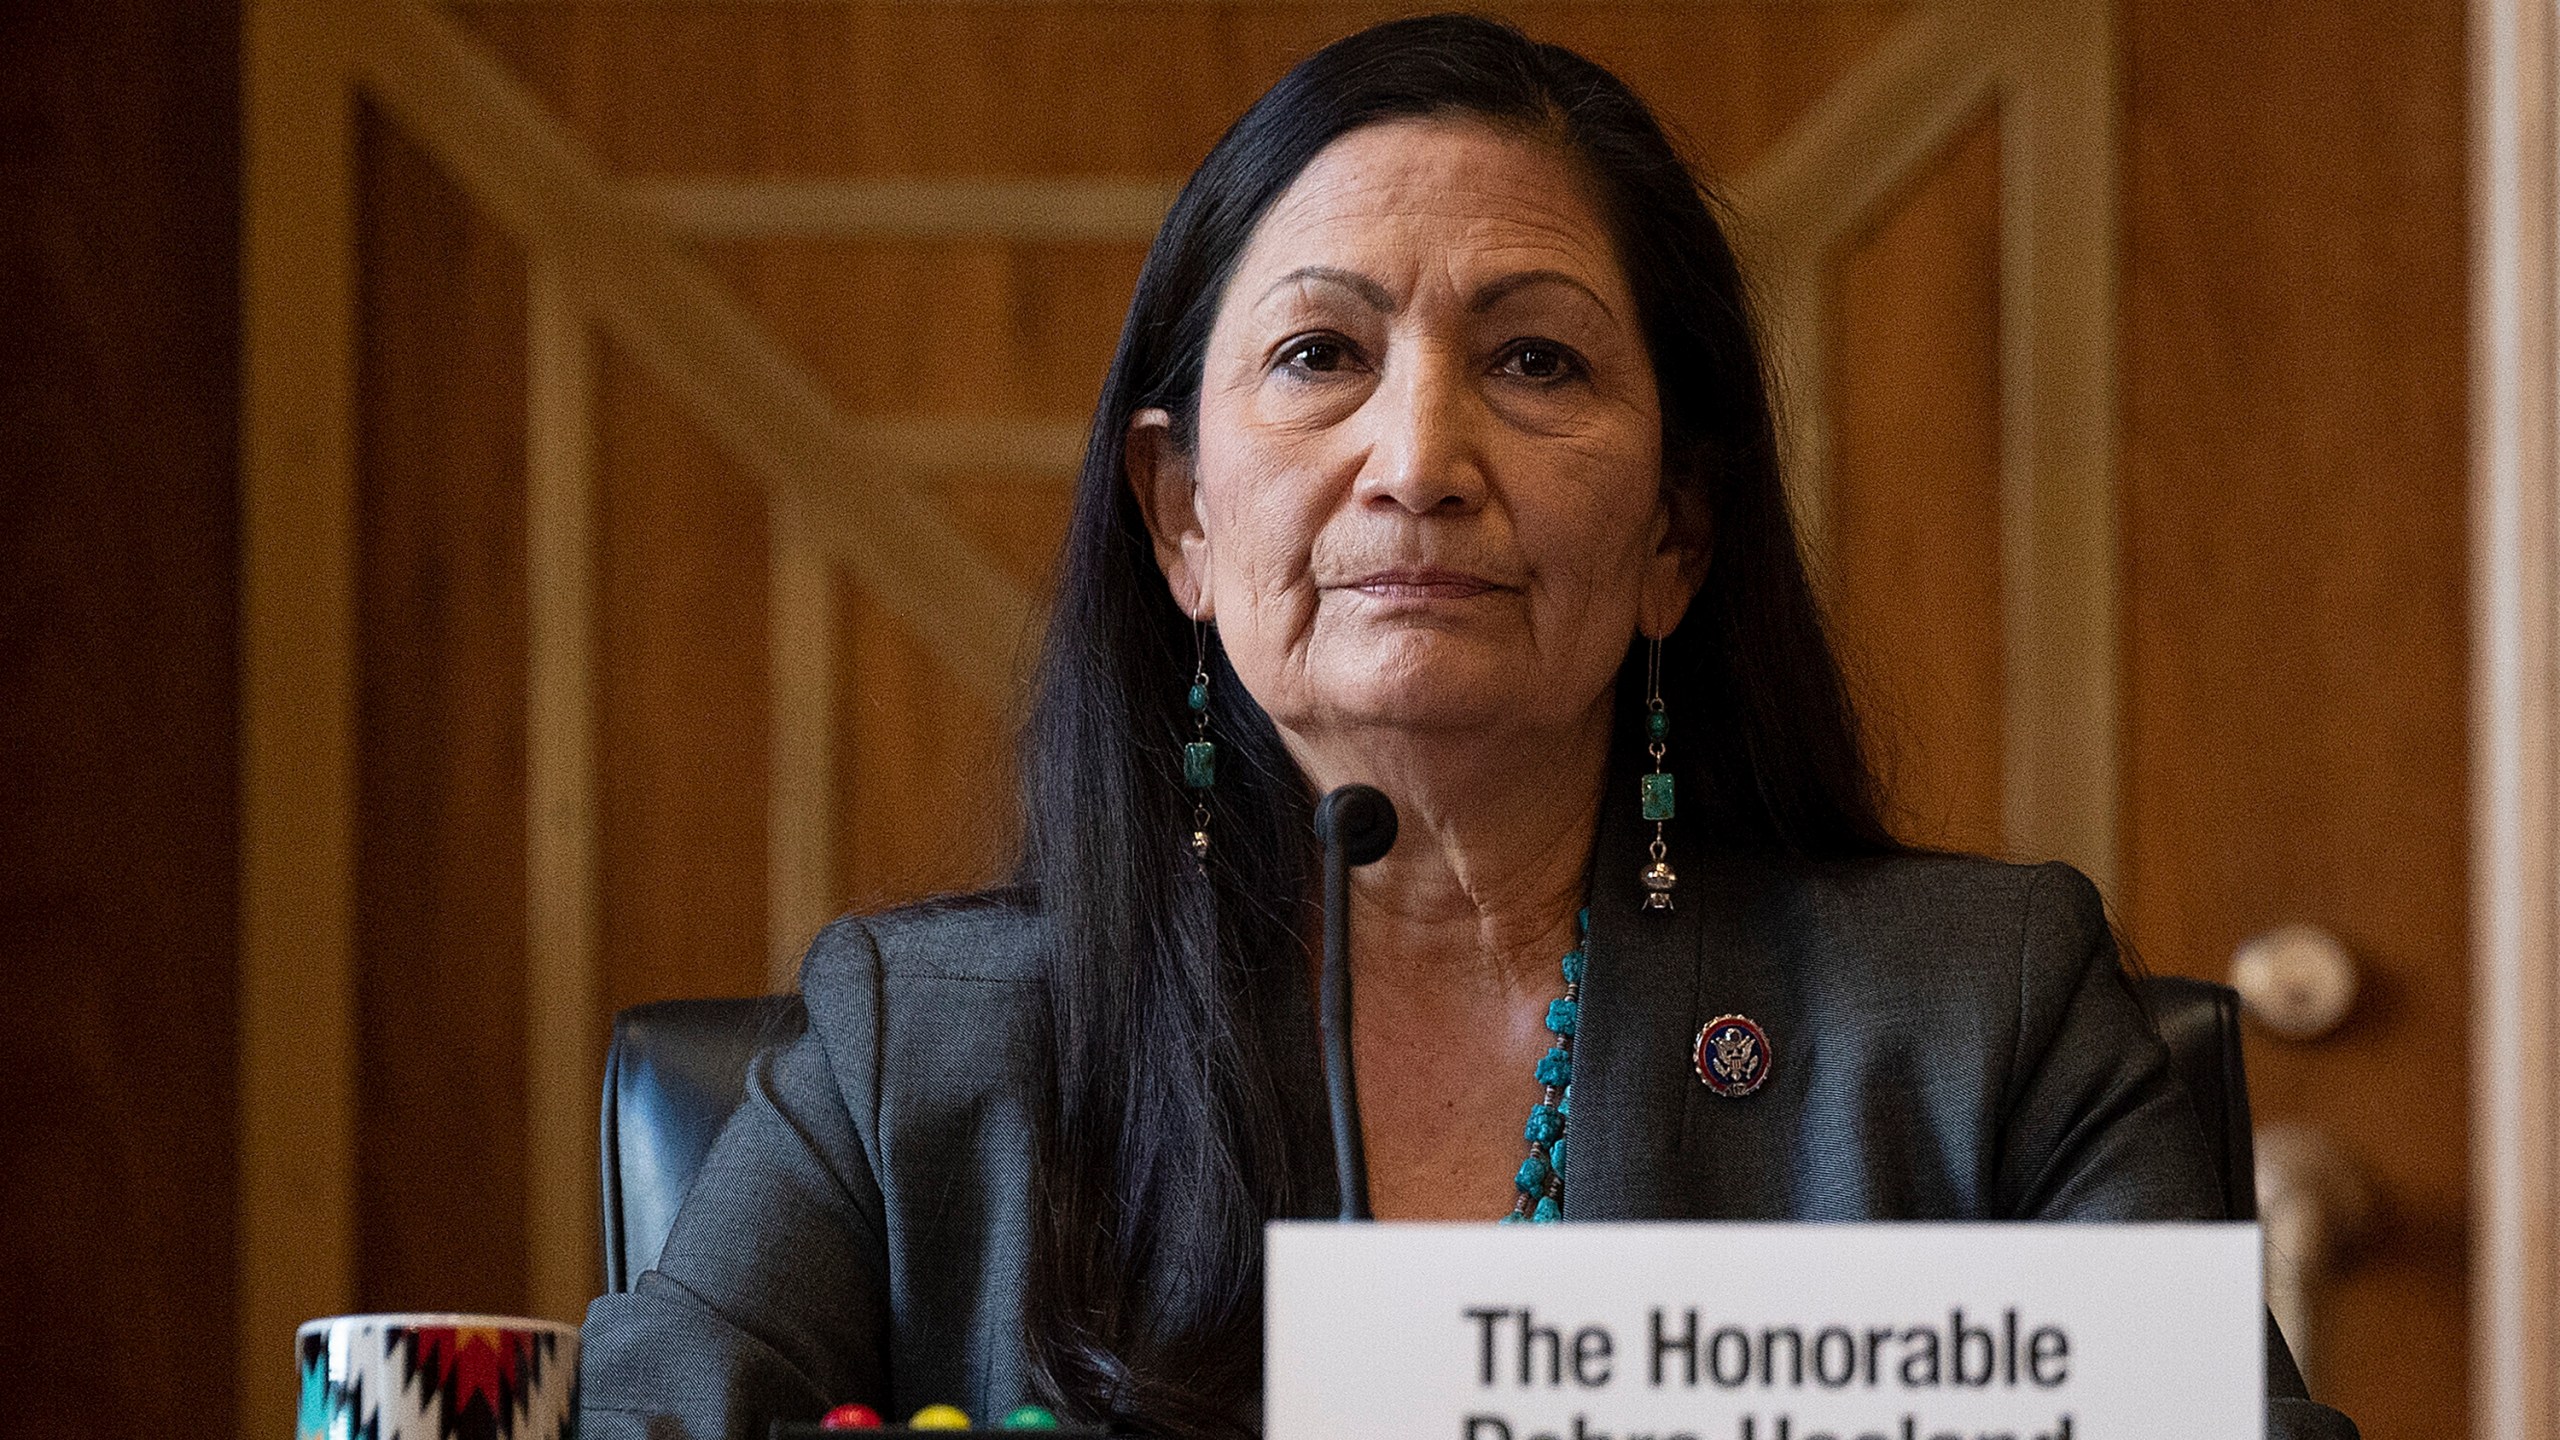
(1676, 564)
(1160, 475)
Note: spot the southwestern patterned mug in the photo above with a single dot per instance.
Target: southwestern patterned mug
(438, 1377)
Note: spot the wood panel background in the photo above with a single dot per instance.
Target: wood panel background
(119, 562)
(1020, 90)
(2292, 574)
(1914, 560)
(978, 328)
(682, 704)
(440, 885)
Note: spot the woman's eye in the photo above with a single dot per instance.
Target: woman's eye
(1540, 360)
(1317, 353)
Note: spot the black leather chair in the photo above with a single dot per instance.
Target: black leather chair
(678, 1067)
(2200, 1022)
(675, 1070)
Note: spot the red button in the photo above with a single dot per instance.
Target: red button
(850, 1417)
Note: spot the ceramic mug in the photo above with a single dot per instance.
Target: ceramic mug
(438, 1377)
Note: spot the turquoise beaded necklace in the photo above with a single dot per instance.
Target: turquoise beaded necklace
(1540, 1179)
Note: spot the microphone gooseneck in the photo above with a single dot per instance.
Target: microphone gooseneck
(1357, 825)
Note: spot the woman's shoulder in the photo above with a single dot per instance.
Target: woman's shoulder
(918, 981)
(931, 1013)
(1948, 893)
(1925, 931)
(983, 937)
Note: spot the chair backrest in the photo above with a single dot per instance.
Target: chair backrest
(2200, 1022)
(678, 1068)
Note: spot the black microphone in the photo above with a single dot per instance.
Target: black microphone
(1357, 825)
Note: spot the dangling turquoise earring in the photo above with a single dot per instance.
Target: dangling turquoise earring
(1655, 788)
(1200, 755)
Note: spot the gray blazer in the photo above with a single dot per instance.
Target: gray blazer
(1952, 1039)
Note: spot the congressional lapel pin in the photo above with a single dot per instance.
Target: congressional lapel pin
(1732, 1056)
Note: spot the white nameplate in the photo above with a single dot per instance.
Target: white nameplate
(1763, 1332)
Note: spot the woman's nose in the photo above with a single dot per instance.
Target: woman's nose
(1425, 454)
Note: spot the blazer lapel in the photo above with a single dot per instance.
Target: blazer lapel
(1649, 1140)
(1630, 1066)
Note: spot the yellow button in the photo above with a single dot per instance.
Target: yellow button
(939, 1417)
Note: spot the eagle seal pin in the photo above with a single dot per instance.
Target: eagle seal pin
(1732, 1055)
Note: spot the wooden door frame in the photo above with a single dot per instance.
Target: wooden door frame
(2515, 724)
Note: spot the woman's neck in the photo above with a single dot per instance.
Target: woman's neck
(1493, 843)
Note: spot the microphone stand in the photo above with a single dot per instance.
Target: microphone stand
(1357, 825)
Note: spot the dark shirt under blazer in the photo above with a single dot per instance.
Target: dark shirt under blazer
(1952, 1039)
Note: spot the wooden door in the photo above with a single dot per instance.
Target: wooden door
(2296, 612)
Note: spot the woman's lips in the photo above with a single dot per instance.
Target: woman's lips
(1423, 584)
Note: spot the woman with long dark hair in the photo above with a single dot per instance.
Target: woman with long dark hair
(1437, 454)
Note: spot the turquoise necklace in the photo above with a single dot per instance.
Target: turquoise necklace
(1540, 1178)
